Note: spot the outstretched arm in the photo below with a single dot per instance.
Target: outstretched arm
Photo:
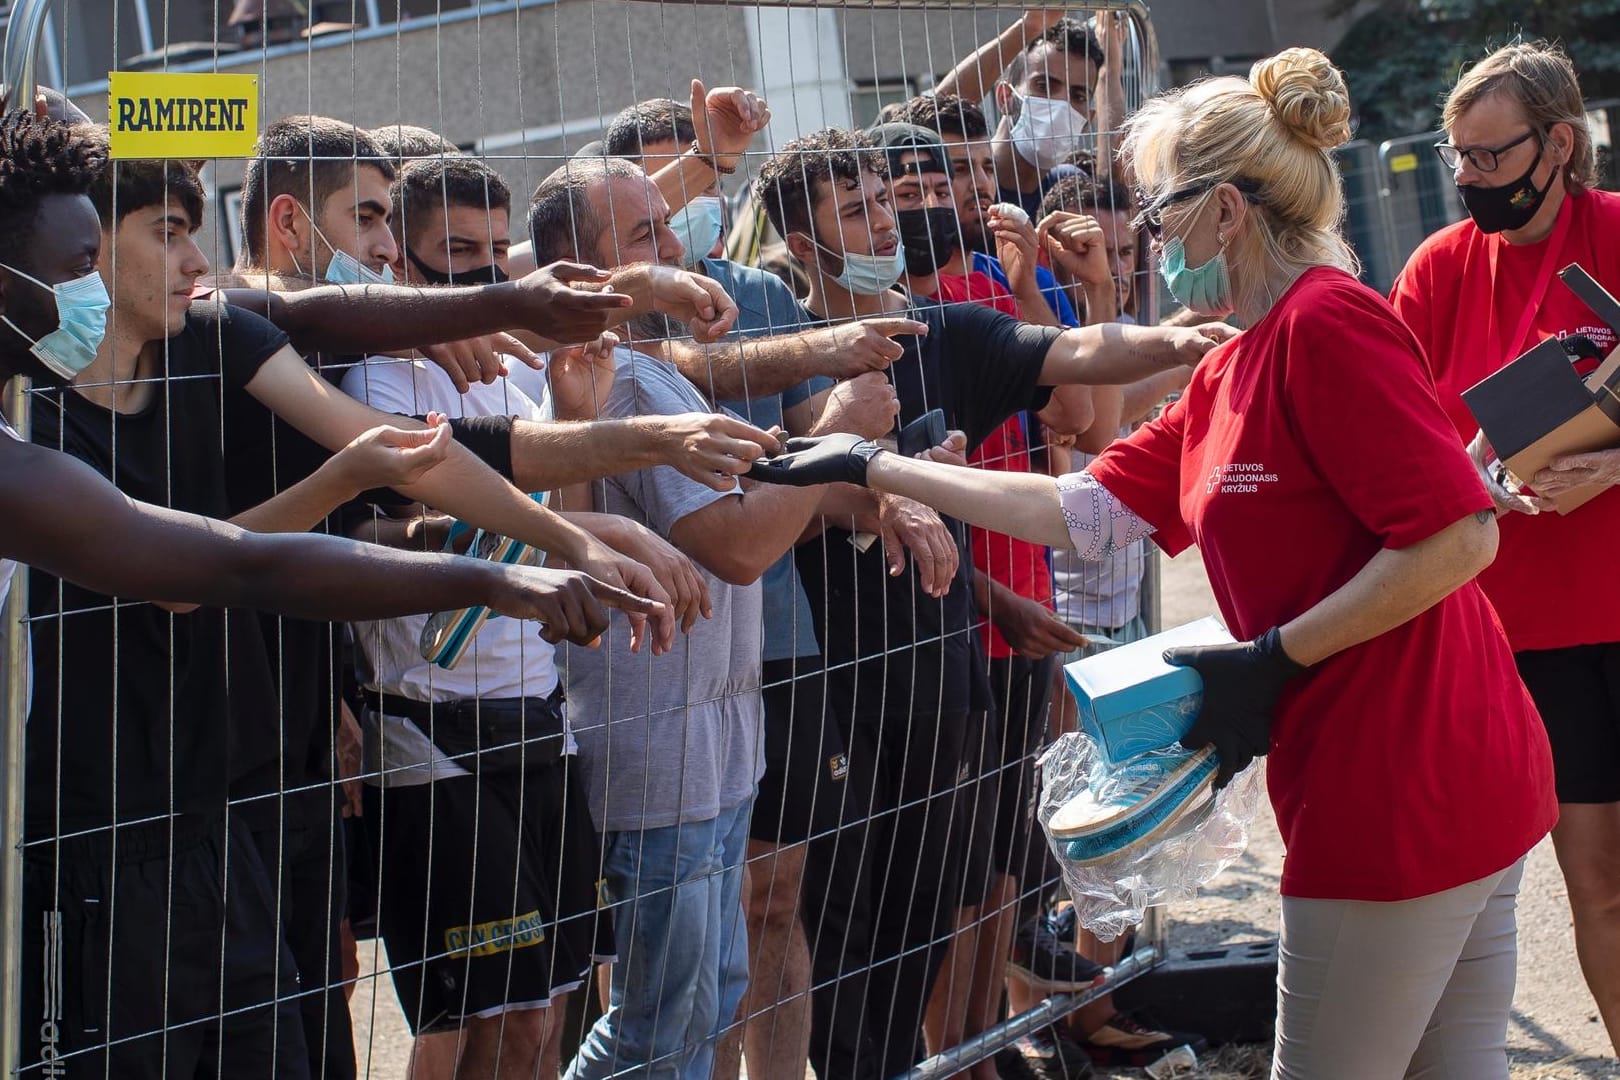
(972, 78)
(761, 366)
(460, 485)
(1071, 511)
(1112, 354)
(563, 303)
(66, 519)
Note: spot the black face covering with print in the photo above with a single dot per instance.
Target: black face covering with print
(1509, 207)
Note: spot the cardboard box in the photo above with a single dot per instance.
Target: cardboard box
(1131, 701)
(1537, 409)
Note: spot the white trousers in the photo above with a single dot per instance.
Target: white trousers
(1418, 988)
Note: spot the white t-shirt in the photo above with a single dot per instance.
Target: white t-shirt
(507, 659)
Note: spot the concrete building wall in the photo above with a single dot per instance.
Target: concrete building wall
(534, 81)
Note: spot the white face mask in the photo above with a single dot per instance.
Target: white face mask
(1046, 130)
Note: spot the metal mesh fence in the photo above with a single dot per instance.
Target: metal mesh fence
(802, 836)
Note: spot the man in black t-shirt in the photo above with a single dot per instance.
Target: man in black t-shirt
(908, 665)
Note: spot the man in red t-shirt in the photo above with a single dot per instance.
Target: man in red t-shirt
(1477, 295)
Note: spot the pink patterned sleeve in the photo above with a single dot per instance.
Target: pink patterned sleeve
(1099, 524)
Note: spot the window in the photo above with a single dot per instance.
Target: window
(868, 99)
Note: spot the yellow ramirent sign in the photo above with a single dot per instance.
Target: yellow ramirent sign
(157, 115)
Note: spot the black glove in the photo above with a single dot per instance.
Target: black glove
(1241, 685)
(827, 459)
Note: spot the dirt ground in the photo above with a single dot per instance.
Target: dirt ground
(1555, 1034)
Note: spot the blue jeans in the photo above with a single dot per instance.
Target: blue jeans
(683, 950)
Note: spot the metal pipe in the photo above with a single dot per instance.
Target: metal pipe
(1048, 1012)
(17, 675)
(21, 50)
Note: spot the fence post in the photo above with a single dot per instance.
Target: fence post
(16, 680)
(22, 48)
(23, 33)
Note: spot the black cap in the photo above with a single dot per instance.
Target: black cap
(897, 139)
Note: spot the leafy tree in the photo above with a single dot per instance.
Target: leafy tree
(1401, 56)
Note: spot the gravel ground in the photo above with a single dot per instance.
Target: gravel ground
(1555, 1034)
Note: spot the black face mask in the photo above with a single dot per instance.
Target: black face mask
(483, 275)
(928, 236)
(1511, 206)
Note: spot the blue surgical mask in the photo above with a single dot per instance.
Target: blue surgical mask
(697, 225)
(81, 324)
(343, 268)
(1205, 290)
(869, 275)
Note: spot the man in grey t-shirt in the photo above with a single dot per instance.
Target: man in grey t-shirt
(669, 745)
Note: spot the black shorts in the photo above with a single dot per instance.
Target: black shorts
(487, 895)
(806, 764)
(1577, 692)
(139, 963)
(1005, 837)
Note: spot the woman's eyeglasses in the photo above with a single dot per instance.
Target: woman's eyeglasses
(1483, 158)
(1152, 218)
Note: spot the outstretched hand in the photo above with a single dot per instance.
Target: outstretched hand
(827, 459)
(480, 359)
(568, 302)
(393, 457)
(569, 605)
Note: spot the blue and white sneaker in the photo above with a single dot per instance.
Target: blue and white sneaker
(1134, 805)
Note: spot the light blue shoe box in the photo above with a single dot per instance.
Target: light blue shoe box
(1131, 701)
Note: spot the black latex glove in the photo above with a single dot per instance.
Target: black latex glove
(826, 459)
(1241, 685)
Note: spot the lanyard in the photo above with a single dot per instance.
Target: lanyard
(1510, 348)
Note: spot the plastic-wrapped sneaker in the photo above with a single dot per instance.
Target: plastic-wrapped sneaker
(1135, 805)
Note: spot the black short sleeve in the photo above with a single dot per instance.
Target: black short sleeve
(995, 362)
(242, 340)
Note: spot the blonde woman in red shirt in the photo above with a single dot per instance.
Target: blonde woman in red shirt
(1341, 523)
(1478, 294)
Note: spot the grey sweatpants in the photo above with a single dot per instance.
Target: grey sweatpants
(1417, 988)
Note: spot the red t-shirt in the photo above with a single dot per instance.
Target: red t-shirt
(1543, 581)
(1017, 564)
(1413, 762)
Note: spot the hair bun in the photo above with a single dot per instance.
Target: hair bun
(1307, 94)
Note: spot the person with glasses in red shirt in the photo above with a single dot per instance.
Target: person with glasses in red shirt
(1341, 524)
(1477, 295)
